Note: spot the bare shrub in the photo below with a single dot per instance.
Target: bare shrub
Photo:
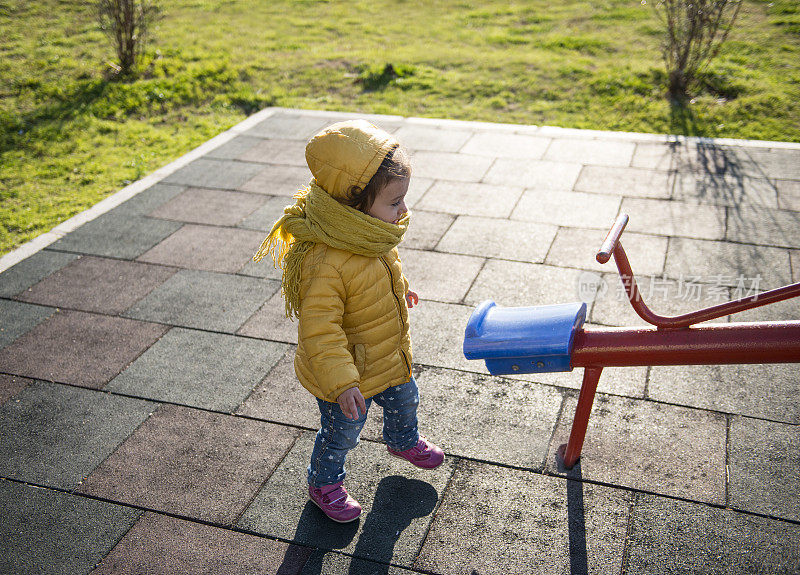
(127, 24)
(695, 31)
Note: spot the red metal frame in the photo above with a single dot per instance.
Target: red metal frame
(673, 340)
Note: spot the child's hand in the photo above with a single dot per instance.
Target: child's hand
(412, 299)
(350, 401)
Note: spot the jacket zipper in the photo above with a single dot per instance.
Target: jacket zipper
(399, 309)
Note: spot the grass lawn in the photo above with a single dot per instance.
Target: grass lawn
(69, 136)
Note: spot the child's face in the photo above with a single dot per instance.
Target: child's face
(389, 205)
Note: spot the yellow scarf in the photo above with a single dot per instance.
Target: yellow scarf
(318, 218)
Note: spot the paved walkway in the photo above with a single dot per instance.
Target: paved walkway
(150, 421)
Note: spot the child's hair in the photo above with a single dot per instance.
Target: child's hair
(396, 165)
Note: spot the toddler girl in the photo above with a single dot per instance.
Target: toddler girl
(342, 278)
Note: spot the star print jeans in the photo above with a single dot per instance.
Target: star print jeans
(338, 434)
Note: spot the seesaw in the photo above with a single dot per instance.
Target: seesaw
(552, 338)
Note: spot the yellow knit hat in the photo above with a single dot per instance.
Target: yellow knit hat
(347, 154)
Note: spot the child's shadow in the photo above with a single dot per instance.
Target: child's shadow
(398, 501)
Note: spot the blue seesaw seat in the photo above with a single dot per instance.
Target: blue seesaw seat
(517, 340)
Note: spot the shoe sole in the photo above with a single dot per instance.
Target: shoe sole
(331, 518)
(412, 463)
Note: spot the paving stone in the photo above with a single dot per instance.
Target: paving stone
(499, 145)
(266, 268)
(55, 435)
(487, 237)
(593, 152)
(631, 182)
(499, 521)
(385, 122)
(517, 284)
(32, 270)
(775, 163)
(20, 318)
(79, 348)
(571, 209)
(205, 300)
(626, 381)
(654, 156)
(289, 126)
(670, 537)
(11, 385)
(56, 533)
(161, 544)
(209, 473)
(213, 207)
(437, 334)
(708, 158)
(575, 247)
(767, 390)
(234, 149)
(206, 248)
(663, 295)
(722, 190)
(209, 173)
(518, 417)
(711, 158)
(426, 229)
(788, 194)
(207, 370)
(281, 398)
(447, 277)
(270, 211)
(415, 137)
(98, 285)
(148, 200)
(397, 499)
(729, 263)
(447, 166)
(474, 126)
(709, 178)
(649, 446)
(117, 236)
(332, 562)
(278, 181)
(538, 174)
(417, 188)
(763, 460)
(270, 322)
(285, 152)
(672, 218)
(474, 199)
(764, 226)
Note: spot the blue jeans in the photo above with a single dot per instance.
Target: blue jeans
(338, 434)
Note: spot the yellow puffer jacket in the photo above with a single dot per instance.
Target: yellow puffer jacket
(353, 329)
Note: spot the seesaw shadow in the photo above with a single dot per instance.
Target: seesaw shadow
(576, 521)
(397, 503)
(576, 516)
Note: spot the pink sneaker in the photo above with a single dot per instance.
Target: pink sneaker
(335, 502)
(424, 454)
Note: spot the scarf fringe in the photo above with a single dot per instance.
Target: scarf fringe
(287, 254)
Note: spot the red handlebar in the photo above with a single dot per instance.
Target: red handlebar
(612, 238)
(613, 246)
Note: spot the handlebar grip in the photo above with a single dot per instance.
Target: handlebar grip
(612, 238)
